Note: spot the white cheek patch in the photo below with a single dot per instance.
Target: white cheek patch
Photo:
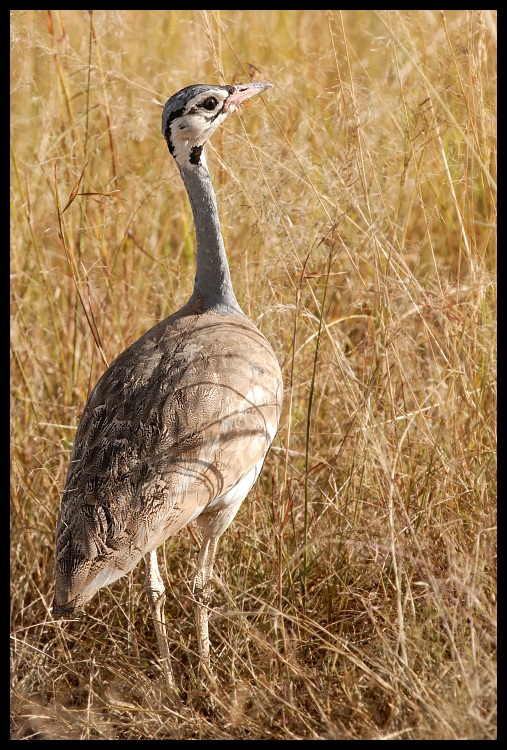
(182, 149)
(194, 129)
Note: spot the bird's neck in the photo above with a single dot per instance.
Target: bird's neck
(213, 286)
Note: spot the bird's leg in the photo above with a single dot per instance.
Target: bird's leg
(212, 524)
(201, 591)
(156, 596)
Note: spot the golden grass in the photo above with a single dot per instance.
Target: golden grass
(355, 592)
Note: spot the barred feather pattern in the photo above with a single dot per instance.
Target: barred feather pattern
(179, 420)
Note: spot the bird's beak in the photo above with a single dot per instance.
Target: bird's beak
(242, 92)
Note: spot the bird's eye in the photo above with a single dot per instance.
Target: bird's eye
(210, 103)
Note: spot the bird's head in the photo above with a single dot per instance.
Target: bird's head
(193, 114)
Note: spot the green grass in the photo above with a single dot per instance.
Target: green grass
(355, 593)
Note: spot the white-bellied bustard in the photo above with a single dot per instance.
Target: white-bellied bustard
(178, 426)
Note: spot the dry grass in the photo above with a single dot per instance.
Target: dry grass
(355, 592)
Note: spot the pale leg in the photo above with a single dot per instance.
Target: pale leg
(156, 596)
(201, 590)
(212, 525)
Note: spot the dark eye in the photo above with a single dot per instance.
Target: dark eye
(210, 103)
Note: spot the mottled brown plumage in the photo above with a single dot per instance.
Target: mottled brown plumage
(174, 423)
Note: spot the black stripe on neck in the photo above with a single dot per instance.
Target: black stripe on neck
(195, 154)
(167, 132)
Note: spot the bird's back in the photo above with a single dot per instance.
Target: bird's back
(181, 421)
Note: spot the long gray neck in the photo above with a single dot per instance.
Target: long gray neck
(213, 286)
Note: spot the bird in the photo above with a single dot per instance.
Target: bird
(177, 428)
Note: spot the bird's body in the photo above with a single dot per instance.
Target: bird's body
(178, 427)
